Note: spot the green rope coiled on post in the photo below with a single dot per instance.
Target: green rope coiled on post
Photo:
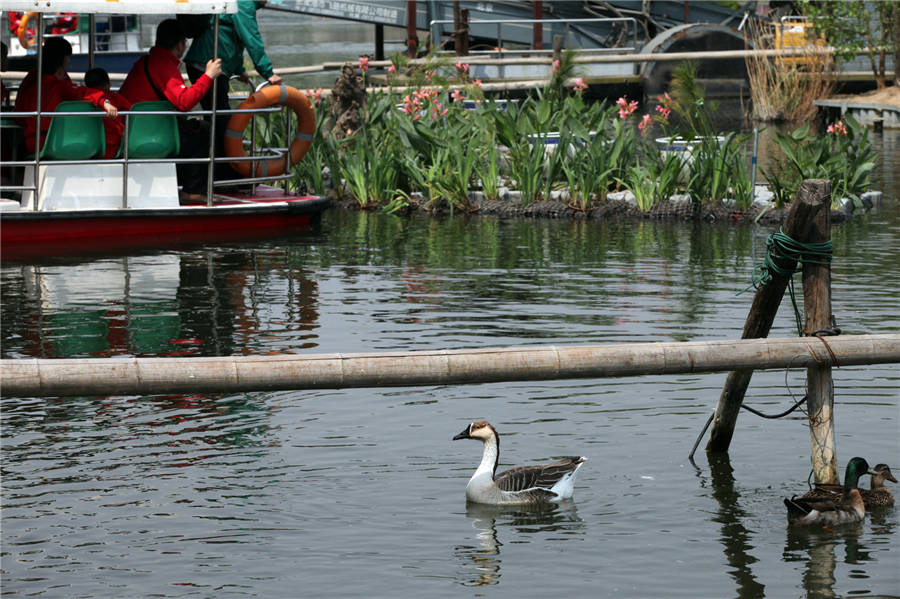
(779, 245)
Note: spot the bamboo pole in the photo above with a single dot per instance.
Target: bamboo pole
(533, 60)
(150, 376)
(809, 201)
(819, 384)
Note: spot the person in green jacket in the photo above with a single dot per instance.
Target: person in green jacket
(237, 32)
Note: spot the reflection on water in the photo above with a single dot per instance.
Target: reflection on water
(482, 562)
(200, 304)
(736, 540)
(830, 555)
(819, 550)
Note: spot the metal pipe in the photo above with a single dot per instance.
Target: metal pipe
(39, 73)
(287, 155)
(92, 41)
(212, 121)
(125, 165)
(753, 164)
(231, 374)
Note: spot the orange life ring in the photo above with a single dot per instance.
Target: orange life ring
(273, 95)
(26, 40)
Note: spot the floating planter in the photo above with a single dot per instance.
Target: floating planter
(680, 144)
(495, 104)
(551, 139)
(685, 149)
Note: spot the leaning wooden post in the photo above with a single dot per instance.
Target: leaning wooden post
(819, 385)
(812, 195)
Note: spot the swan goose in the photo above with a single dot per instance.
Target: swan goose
(540, 484)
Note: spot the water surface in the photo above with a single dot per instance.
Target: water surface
(360, 492)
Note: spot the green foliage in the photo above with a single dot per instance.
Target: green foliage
(639, 180)
(844, 156)
(527, 166)
(667, 174)
(427, 142)
(689, 102)
(856, 27)
(718, 162)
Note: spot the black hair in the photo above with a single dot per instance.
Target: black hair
(96, 78)
(169, 33)
(55, 51)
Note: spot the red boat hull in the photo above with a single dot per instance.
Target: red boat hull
(29, 234)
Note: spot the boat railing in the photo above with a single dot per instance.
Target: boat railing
(125, 161)
(500, 23)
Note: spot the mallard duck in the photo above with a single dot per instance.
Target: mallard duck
(877, 495)
(545, 483)
(846, 508)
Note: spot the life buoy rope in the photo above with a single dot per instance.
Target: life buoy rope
(273, 95)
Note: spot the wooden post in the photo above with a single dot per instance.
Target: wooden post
(412, 38)
(464, 36)
(819, 384)
(537, 31)
(812, 195)
(379, 41)
(457, 28)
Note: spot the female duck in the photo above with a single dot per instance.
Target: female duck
(877, 495)
(546, 483)
(846, 508)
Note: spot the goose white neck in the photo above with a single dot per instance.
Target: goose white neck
(490, 457)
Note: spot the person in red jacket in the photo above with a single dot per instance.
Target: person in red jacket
(98, 78)
(157, 77)
(55, 88)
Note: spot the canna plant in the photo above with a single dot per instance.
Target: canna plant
(844, 155)
(487, 167)
(639, 181)
(458, 171)
(432, 145)
(716, 161)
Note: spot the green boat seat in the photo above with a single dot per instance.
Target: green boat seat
(152, 135)
(74, 137)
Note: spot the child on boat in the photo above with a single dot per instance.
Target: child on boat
(98, 79)
(55, 88)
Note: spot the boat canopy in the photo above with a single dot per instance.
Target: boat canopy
(124, 7)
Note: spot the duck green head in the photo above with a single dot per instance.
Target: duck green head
(855, 468)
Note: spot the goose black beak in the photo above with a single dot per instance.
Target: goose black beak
(462, 435)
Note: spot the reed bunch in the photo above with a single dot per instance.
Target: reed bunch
(785, 89)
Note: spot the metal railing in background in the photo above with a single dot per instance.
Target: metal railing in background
(567, 22)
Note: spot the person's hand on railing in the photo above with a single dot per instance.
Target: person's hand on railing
(214, 68)
(110, 110)
(275, 79)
